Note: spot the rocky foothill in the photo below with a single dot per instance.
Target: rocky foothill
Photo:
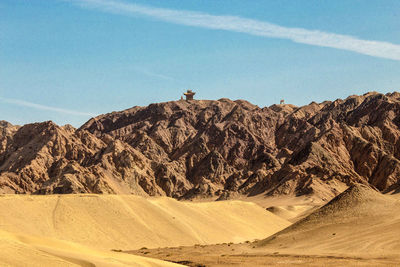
(203, 148)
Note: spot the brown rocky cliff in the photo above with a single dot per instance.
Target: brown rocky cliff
(44, 158)
(213, 145)
(206, 148)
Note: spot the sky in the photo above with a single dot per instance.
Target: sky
(70, 60)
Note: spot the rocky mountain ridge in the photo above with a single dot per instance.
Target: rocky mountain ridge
(206, 148)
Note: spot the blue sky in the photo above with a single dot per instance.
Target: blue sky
(68, 60)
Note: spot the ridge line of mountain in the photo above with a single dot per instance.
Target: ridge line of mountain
(211, 148)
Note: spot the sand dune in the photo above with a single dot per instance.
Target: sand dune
(360, 227)
(25, 250)
(360, 221)
(81, 230)
(291, 212)
(131, 222)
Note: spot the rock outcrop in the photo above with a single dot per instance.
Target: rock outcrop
(203, 148)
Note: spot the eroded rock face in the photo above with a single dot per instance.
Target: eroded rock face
(44, 158)
(205, 148)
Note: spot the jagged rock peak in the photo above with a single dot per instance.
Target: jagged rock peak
(211, 148)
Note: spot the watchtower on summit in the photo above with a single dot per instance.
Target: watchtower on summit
(189, 94)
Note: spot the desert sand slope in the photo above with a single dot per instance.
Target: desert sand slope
(360, 221)
(24, 250)
(132, 222)
(291, 213)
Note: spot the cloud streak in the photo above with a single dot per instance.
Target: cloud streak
(153, 74)
(24, 103)
(249, 26)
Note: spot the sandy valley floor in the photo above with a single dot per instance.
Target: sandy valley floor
(246, 255)
(360, 227)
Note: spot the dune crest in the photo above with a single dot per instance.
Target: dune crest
(360, 221)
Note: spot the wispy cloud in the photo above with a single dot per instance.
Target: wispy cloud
(153, 74)
(249, 26)
(24, 103)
